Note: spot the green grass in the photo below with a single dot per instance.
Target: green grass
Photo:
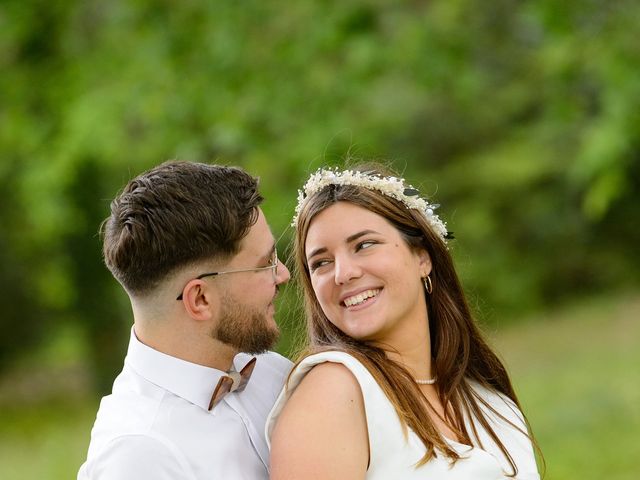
(45, 442)
(577, 375)
(576, 371)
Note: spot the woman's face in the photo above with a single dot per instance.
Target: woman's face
(364, 275)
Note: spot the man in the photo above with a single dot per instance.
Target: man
(191, 247)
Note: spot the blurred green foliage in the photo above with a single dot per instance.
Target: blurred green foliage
(523, 118)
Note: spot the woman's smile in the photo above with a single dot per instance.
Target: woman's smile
(366, 297)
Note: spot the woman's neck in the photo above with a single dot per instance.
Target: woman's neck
(413, 351)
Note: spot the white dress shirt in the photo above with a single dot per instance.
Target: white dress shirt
(156, 423)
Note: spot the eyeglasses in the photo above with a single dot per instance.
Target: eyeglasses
(273, 266)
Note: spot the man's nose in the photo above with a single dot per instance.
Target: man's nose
(283, 274)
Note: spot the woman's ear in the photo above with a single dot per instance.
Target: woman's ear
(425, 262)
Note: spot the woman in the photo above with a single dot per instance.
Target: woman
(397, 381)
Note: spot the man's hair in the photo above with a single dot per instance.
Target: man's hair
(175, 215)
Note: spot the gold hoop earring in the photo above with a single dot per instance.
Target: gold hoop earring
(428, 286)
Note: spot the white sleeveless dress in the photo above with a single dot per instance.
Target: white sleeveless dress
(392, 455)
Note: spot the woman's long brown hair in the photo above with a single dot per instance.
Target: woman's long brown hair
(460, 353)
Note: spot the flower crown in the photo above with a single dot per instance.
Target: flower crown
(390, 186)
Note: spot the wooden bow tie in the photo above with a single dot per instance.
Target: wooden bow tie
(232, 382)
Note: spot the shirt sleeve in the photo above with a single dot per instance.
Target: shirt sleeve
(139, 457)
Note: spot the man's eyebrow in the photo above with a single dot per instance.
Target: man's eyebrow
(349, 239)
(271, 250)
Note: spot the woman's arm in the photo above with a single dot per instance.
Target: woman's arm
(322, 430)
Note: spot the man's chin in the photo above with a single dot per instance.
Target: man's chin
(268, 344)
(261, 342)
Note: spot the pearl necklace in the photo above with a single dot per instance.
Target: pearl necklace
(428, 381)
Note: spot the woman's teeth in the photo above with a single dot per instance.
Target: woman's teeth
(361, 297)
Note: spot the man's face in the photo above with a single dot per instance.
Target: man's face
(246, 320)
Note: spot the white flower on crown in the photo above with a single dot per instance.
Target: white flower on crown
(390, 186)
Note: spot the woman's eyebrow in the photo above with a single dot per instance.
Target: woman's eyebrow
(356, 236)
(317, 251)
(349, 239)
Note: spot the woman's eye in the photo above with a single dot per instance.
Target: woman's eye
(317, 264)
(365, 244)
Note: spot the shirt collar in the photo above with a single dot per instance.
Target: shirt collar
(195, 383)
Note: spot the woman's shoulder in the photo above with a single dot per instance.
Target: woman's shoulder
(332, 356)
(329, 380)
(325, 404)
(332, 372)
(329, 364)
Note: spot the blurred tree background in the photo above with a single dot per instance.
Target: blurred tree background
(521, 118)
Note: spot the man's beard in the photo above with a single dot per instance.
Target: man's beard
(244, 328)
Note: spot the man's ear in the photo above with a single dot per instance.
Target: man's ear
(199, 300)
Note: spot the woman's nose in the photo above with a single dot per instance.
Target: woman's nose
(345, 270)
